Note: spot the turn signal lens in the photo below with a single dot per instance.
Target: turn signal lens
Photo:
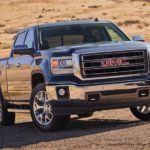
(55, 63)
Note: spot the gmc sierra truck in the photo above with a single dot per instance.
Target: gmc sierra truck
(74, 68)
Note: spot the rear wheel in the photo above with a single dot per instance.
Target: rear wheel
(41, 111)
(6, 118)
(141, 112)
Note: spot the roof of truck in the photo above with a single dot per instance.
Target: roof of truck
(61, 23)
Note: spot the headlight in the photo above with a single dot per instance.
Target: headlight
(61, 65)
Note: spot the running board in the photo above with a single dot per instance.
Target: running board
(18, 110)
(19, 102)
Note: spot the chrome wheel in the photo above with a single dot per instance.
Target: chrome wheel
(143, 109)
(0, 112)
(42, 109)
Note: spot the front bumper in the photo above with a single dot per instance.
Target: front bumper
(119, 95)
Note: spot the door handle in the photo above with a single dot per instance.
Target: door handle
(18, 65)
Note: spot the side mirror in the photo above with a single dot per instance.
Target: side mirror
(138, 38)
(23, 50)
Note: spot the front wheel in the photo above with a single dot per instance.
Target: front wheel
(141, 112)
(41, 111)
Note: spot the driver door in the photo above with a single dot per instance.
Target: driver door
(19, 71)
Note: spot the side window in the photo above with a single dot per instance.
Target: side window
(20, 39)
(29, 39)
(113, 34)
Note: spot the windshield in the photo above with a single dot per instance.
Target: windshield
(79, 34)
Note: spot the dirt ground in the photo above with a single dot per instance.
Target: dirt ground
(115, 130)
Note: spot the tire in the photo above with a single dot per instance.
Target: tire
(85, 115)
(41, 113)
(141, 112)
(6, 118)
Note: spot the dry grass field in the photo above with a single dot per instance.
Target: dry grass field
(133, 16)
(105, 130)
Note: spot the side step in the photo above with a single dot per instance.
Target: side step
(18, 108)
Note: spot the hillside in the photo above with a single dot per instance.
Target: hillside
(133, 16)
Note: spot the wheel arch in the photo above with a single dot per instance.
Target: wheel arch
(37, 77)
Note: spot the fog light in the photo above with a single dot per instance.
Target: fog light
(61, 92)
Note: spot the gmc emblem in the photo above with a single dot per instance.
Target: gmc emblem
(114, 62)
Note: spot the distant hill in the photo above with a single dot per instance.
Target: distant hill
(133, 16)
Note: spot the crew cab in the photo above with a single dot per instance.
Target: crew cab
(69, 68)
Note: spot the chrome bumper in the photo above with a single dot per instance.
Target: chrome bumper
(119, 92)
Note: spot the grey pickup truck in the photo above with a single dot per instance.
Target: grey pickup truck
(74, 68)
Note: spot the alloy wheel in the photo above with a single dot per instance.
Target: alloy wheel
(143, 109)
(42, 109)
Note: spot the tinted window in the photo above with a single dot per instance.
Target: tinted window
(54, 41)
(79, 34)
(20, 39)
(29, 39)
(51, 41)
(73, 39)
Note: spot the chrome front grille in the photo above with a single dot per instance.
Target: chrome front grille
(113, 63)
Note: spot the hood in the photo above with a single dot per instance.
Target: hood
(104, 47)
(95, 48)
